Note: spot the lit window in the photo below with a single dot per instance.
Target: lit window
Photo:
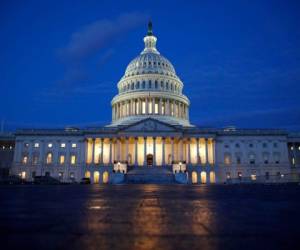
(73, 159)
(293, 161)
(61, 175)
(10, 147)
(50, 145)
(49, 158)
(63, 145)
(25, 159)
(26, 145)
(299, 148)
(61, 159)
(23, 175)
(292, 148)
(228, 176)
(36, 145)
(74, 145)
(3, 147)
(253, 177)
(227, 159)
(240, 175)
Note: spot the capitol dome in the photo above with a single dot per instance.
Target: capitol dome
(150, 88)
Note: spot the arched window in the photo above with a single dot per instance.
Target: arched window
(156, 84)
(96, 177)
(144, 84)
(212, 177)
(203, 177)
(105, 177)
(49, 158)
(138, 85)
(150, 84)
(132, 86)
(162, 85)
(87, 174)
(167, 85)
(194, 177)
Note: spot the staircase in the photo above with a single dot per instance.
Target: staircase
(153, 175)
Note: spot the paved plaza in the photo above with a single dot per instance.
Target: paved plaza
(150, 217)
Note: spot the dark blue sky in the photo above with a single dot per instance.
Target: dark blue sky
(60, 61)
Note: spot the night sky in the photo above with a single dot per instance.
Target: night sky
(60, 61)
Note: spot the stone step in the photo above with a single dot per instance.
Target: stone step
(153, 175)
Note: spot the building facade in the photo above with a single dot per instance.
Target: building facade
(150, 129)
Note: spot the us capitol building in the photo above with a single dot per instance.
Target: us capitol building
(151, 140)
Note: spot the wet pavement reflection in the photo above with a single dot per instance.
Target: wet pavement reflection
(150, 217)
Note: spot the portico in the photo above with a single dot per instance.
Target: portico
(136, 150)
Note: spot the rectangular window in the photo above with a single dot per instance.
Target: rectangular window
(240, 175)
(238, 160)
(36, 145)
(63, 145)
(61, 175)
(50, 145)
(267, 176)
(74, 145)
(228, 176)
(35, 159)
(253, 177)
(25, 159)
(73, 159)
(61, 159)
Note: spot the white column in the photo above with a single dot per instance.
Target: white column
(127, 141)
(189, 151)
(110, 152)
(198, 151)
(206, 151)
(160, 107)
(153, 105)
(154, 151)
(146, 102)
(93, 151)
(172, 149)
(119, 149)
(140, 106)
(181, 149)
(145, 150)
(163, 150)
(102, 142)
(136, 152)
(168, 107)
(213, 151)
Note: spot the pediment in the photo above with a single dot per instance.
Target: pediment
(150, 125)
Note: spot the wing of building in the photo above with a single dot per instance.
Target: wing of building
(151, 139)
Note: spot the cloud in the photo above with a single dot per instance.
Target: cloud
(91, 41)
(99, 34)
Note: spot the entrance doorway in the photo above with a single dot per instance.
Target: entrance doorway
(150, 160)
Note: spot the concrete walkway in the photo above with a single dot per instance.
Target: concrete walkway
(150, 217)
